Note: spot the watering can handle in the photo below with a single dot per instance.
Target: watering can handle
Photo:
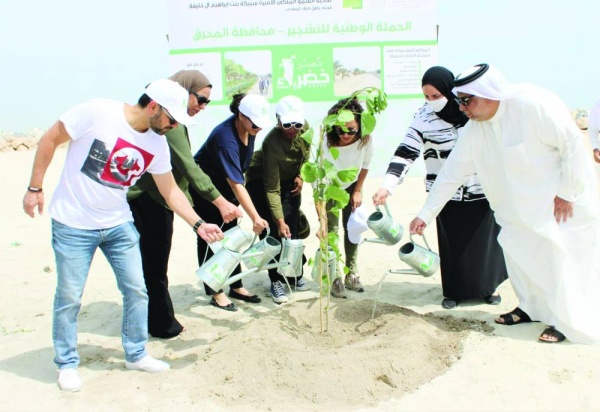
(256, 237)
(387, 209)
(424, 239)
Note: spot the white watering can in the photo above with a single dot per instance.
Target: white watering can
(291, 252)
(328, 265)
(216, 271)
(388, 232)
(234, 239)
(425, 262)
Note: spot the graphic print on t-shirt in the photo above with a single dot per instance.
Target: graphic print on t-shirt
(118, 168)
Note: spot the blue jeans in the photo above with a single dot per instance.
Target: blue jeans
(74, 250)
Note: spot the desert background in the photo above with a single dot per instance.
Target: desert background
(412, 356)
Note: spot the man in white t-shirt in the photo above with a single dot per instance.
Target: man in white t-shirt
(111, 144)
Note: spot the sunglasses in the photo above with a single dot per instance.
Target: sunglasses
(339, 131)
(172, 121)
(201, 99)
(255, 127)
(463, 100)
(295, 125)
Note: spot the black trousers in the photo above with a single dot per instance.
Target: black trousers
(472, 261)
(210, 213)
(154, 222)
(291, 213)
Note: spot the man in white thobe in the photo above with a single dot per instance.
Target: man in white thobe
(594, 130)
(531, 161)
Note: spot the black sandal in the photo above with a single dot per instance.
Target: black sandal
(509, 320)
(552, 332)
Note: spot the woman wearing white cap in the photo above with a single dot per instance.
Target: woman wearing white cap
(274, 182)
(224, 157)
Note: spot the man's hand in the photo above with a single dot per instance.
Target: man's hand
(31, 200)
(210, 233)
(563, 209)
(597, 155)
(417, 226)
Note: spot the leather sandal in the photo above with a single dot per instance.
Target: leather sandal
(509, 320)
(551, 332)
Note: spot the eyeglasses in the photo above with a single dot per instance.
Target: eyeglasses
(172, 121)
(201, 99)
(255, 127)
(295, 125)
(339, 131)
(463, 100)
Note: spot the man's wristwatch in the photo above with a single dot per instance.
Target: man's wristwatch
(35, 189)
(197, 225)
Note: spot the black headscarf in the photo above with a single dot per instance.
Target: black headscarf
(443, 80)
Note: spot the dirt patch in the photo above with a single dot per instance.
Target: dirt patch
(359, 362)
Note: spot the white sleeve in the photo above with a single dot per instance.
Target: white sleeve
(458, 166)
(559, 130)
(79, 119)
(594, 126)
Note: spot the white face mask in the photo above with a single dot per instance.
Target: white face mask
(437, 105)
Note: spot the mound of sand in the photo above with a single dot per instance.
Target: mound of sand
(359, 361)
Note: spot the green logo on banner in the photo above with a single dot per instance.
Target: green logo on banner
(307, 72)
(353, 4)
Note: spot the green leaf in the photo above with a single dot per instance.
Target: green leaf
(338, 194)
(309, 172)
(308, 135)
(330, 120)
(347, 175)
(335, 152)
(345, 116)
(367, 123)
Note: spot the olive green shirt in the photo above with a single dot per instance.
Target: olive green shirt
(279, 160)
(185, 171)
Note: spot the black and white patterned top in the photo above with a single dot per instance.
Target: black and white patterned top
(435, 138)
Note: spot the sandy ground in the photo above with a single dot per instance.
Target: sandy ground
(413, 355)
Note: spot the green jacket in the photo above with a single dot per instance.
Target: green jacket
(279, 160)
(185, 171)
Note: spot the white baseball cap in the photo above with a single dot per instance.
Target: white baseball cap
(290, 109)
(256, 108)
(357, 223)
(173, 97)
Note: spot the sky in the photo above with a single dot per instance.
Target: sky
(55, 54)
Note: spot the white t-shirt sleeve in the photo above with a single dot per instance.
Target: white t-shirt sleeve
(162, 161)
(77, 120)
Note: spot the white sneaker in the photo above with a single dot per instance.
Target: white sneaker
(148, 364)
(69, 380)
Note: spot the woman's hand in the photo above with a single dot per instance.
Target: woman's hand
(297, 186)
(259, 224)
(356, 200)
(380, 197)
